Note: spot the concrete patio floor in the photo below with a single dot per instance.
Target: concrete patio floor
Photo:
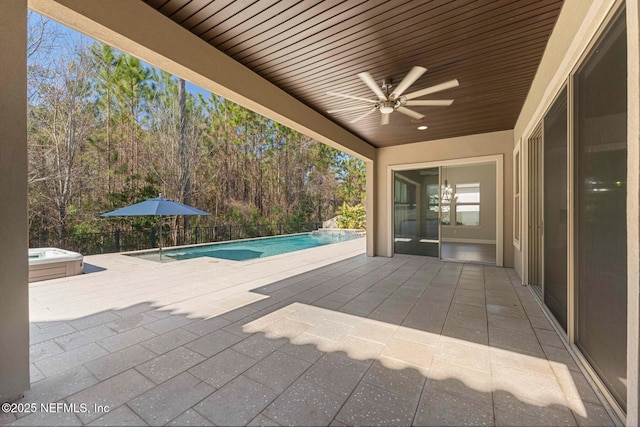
(324, 336)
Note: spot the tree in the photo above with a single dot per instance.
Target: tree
(61, 124)
(185, 151)
(106, 64)
(42, 42)
(175, 122)
(131, 94)
(352, 177)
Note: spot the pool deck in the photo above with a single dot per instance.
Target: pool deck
(317, 337)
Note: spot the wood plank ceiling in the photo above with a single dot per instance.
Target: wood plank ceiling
(309, 47)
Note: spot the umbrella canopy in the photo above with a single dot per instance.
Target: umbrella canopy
(157, 206)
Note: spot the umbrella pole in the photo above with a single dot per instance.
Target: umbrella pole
(160, 236)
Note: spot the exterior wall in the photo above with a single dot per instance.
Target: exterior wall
(370, 205)
(14, 301)
(495, 143)
(559, 55)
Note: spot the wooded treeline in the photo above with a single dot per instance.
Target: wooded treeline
(106, 130)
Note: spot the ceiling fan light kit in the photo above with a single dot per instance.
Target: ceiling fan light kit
(387, 102)
(386, 107)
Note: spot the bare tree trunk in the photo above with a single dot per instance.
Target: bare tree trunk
(109, 172)
(185, 162)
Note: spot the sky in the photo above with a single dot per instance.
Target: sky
(69, 36)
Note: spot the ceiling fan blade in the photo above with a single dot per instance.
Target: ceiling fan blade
(364, 115)
(384, 119)
(408, 80)
(369, 81)
(430, 103)
(410, 113)
(433, 89)
(344, 95)
(339, 110)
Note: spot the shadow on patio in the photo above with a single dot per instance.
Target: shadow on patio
(364, 341)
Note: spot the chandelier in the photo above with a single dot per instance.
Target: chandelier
(447, 192)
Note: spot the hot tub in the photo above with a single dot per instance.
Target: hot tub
(53, 263)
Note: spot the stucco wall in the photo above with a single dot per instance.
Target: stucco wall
(495, 143)
(14, 301)
(557, 55)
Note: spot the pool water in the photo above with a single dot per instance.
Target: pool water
(243, 250)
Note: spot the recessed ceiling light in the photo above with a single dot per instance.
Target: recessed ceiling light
(422, 127)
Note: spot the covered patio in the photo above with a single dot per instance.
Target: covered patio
(318, 337)
(355, 333)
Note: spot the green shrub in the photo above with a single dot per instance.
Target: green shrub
(351, 216)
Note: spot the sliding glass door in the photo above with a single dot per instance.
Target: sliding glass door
(555, 209)
(600, 116)
(416, 212)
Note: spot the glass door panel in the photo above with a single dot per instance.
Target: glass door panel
(555, 209)
(416, 212)
(600, 221)
(534, 231)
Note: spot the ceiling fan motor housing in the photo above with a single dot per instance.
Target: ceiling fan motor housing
(387, 107)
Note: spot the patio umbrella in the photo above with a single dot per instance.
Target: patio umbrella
(158, 206)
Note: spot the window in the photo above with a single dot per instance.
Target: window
(460, 205)
(516, 196)
(467, 203)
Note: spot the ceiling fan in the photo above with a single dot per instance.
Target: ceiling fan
(389, 101)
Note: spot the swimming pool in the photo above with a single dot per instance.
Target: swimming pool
(246, 249)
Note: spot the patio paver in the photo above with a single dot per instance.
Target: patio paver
(324, 336)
